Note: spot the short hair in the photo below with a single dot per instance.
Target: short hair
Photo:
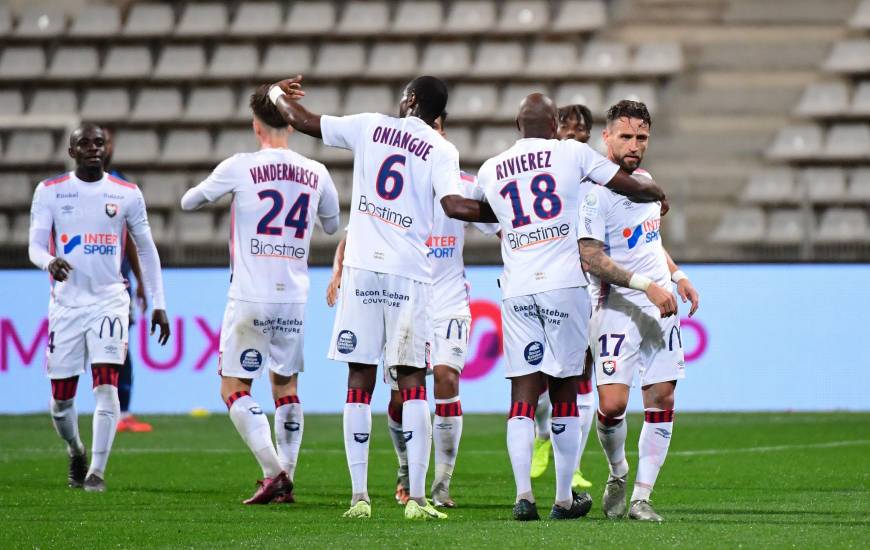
(629, 109)
(82, 127)
(581, 112)
(443, 117)
(265, 110)
(431, 95)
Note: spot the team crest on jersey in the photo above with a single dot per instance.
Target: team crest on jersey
(534, 353)
(251, 360)
(111, 209)
(609, 367)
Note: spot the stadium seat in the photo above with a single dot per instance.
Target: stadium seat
(324, 100)
(257, 19)
(848, 141)
(41, 22)
(524, 16)
(859, 186)
(29, 146)
(794, 142)
(772, 186)
(472, 102)
(635, 91)
(105, 104)
(74, 62)
(20, 62)
(302, 144)
(470, 17)
(149, 19)
(162, 189)
(157, 105)
(16, 190)
(185, 146)
(210, 104)
(195, 227)
(494, 140)
(364, 18)
(135, 146)
(657, 59)
(824, 99)
(415, 18)
(160, 230)
(850, 56)
(753, 12)
(224, 225)
(392, 60)
(786, 227)
(230, 142)
(19, 230)
(310, 18)
(580, 16)
(512, 95)
(370, 99)
(446, 59)
(498, 59)
(596, 141)
(861, 18)
(461, 138)
(97, 21)
(243, 108)
(340, 60)
(11, 103)
(842, 225)
(740, 226)
(824, 185)
(234, 61)
(127, 62)
(178, 62)
(54, 102)
(203, 19)
(283, 60)
(861, 100)
(550, 59)
(604, 59)
(584, 94)
(5, 20)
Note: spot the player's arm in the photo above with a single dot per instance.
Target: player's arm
(602, 266)
(136, 268)
(637, 190)
(328, 210)
(41, 222)
(335, 281)
(467, 210)
(284, 95)
(221, 181)
(137, 223)
(446, 182)
(685, 288)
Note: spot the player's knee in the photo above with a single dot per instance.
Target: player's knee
(446, 382)
(612, 408)
(362, 377)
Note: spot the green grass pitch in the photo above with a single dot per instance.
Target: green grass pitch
(752, 480)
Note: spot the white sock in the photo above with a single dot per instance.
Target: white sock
(253, 426)
(542, 417)
(357, 433)
(289, 425)
(655, 438)
(612, 440)
(398, 439)
(66, 421)
(520, 443)
(586, 405)
(417, 428)
(447, 433)
(565, 434)
(106, 412)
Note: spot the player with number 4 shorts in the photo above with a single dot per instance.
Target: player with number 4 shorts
(278, 195)
(635, 332)
(535, 188)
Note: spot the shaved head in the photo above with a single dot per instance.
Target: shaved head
(537, 116)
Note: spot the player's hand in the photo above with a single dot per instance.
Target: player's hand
(663, 299)
(159, 319)
(688, 293)
(292, 87)
(666, 207)
(332, 291)
(59, 269)
(141, 298)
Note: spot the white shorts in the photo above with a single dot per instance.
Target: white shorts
(381, 314)
(87, 335)
(546, 332)
(628, 340)
(254, 335)
(450, 341)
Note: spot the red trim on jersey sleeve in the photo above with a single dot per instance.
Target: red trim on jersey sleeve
(121, 182)
(55, 180)
(470, 178)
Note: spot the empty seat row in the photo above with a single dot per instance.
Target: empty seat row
(791, 226)
(307, 18)
(819, 185)
(849, 56)
(835, 99)
(384, 60)
(861, 18)
(811, 141)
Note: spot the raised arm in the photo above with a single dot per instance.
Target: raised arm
(632, 187)
(284, 95)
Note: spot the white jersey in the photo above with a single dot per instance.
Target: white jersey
(631, 233)
(88, 222)
(399, 165)
(534, 189)
(277, 195)
(450, 290)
